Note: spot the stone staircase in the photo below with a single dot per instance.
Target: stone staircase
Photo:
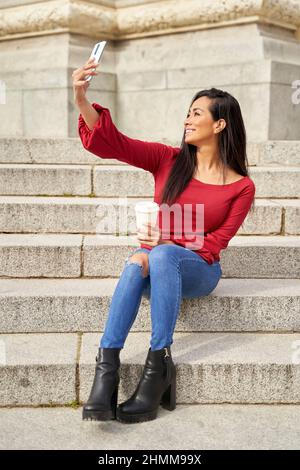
(239, 345)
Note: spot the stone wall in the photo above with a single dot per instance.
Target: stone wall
(158, 55)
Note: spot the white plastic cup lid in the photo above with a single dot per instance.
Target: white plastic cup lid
(146, 206)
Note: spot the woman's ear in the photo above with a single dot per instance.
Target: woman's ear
(221, 124)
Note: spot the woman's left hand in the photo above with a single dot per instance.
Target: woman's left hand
(149, 234)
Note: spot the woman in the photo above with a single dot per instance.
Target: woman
(208, 170)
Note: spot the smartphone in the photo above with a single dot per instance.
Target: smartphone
(96, 54)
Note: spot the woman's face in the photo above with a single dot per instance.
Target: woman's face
(199, 124)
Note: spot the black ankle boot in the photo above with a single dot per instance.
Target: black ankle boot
(156, 386)
(102, 402)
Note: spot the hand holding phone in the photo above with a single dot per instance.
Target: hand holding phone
(83, 75)
(96, 55)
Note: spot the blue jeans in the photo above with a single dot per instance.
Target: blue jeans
(175, 272)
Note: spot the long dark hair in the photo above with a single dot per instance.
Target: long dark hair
(231, 142)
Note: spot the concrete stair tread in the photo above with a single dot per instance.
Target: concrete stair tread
(40, 239)
(69, 305)
(25, 349)
(188, 348)
(69, 150)
(74, 199)
(45, 166)
(126, 167)
(211, 367)
(54, 179)
(105, 287)
(80, 215)
(202, 347)
(215, 426)
(95, 200)
(36, 239)
(51, 255)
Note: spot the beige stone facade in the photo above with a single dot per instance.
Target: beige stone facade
(159, 54)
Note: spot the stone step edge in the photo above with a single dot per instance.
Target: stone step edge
(81, 305)
(66, 287)
(79, 200)
(70, 239)
(211, 367)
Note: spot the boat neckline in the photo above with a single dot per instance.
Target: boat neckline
(219, 185)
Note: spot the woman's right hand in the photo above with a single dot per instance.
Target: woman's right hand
(79, 84)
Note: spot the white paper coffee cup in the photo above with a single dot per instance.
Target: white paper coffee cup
(146, 212)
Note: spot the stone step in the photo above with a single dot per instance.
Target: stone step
(209, 427)
(73, 256)
(58, 368)
(48, 180)
(71, 305)
(123, 180)
(71, 151)
(82, 215)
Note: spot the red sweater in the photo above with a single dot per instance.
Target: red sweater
(225, 206)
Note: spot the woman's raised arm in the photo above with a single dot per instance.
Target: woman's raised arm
(106, 141)
(100, 136)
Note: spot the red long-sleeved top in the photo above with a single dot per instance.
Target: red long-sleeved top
(225, 206)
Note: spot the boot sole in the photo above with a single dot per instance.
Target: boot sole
(142, 417)
(124, 418)
(98, 415)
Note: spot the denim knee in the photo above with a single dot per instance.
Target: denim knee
(161, 253)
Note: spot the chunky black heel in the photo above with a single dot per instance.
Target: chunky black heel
(168, 400)
(156, 386)
(103, 399)
(114, 402)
